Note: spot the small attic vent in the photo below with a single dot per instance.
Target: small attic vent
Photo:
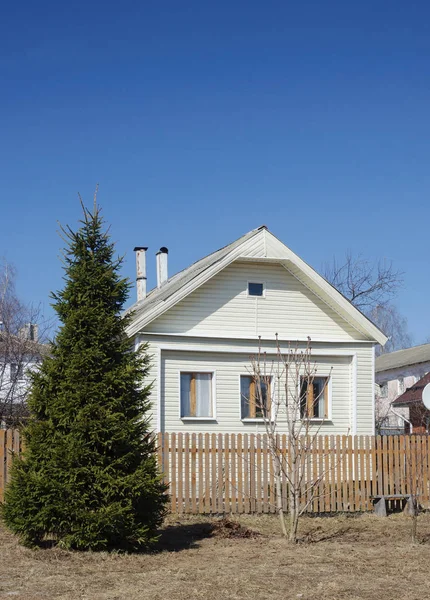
(255, 289)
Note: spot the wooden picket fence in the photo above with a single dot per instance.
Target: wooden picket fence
(228, 473)
(10, 445)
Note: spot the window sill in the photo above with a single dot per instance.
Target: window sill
(253, 420)
(213, 419)
(321, 420)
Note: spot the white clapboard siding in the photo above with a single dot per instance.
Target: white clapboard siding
(365, 391)
(221, 307)
(228, 367)
(352, 387)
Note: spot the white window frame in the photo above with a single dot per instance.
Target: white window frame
(383, 384)
(400, 385)
(203, 372)
(254, 419)
(329, 418)
(263, 283)
(19, 373)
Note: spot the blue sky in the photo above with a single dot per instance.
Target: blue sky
(201, 121)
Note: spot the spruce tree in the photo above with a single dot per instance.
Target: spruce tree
(89, 475)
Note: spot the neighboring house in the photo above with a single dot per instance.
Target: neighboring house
(411, 399)
(18, 355)
(395, 372)
(202, 325)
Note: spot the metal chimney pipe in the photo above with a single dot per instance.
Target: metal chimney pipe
(162, 274)
(140, 272)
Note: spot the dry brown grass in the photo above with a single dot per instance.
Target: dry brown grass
(339, 558)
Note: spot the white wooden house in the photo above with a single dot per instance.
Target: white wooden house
(203, 324)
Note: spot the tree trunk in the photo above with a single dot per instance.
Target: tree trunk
(294, 496)
(294, 517)
(279, 508)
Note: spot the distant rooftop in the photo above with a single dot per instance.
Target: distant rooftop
(403, 358)
(414, 393)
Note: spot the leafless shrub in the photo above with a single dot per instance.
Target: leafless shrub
(289, 388)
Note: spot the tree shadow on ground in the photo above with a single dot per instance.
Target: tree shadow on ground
(175, 538)
(317, 536)
(185, 536)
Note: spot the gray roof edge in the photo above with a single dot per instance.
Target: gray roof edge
(188, 274)
(403, 358)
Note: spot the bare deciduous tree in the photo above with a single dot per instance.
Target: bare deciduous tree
(290, 388)
(20, 348)
(371, 287)
(367, 285)
(395, 327)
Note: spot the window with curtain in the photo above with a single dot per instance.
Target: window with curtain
(314, 397)
(255, 397)
(196, 395)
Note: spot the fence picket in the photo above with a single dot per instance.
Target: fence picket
(200, 466)
(259, 480)
(187, 473)
(246, 473)
(233, 479)
(265, 471)
(207, 474)
(362, 478)
(356, 452)
(379, 466)
(338, 457)
(180, 474)
(252, 472)
(239, 474)
(159, 441)
(220, 477)
(173, 476)
(308, 480)
(367, 476)
(227, 455)
(332, 475)
(2, 463)
(9, 451)
(425, 451)
(326, 473)
(213, 474)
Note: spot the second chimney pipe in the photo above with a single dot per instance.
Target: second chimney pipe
(162, 275)
(141, 272)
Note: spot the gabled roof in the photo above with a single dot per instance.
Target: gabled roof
(403, 358)
(413, 394)
(257, 245)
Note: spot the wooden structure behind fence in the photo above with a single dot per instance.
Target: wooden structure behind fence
(229, 473)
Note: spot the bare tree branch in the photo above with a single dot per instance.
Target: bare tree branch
(366, 284)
